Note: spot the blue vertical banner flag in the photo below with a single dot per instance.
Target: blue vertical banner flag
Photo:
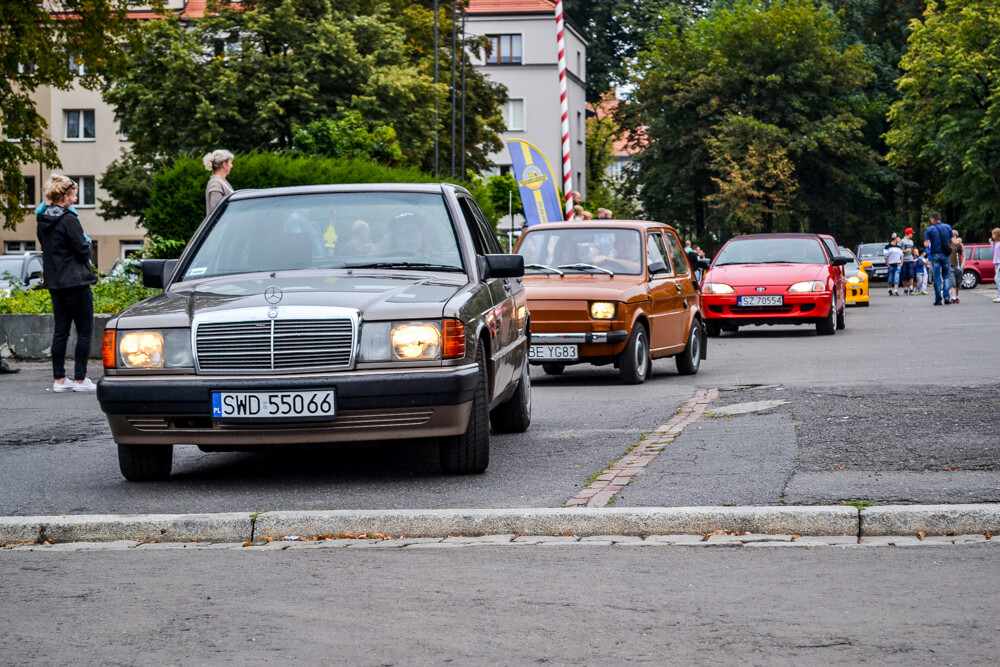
(535, 183)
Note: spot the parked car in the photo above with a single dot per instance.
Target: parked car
(978, 265)
(324, 314)
(872, 252)
(857, 278)
(26, 269)
(611, 292)
(775, 279)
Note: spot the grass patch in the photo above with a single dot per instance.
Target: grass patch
(860, 504)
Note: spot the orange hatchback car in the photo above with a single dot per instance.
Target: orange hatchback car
(611, 292)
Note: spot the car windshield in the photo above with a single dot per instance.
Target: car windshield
(592, 250)
(772, 250)
(329, 230)
(871, 251)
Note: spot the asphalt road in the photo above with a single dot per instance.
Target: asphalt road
(899, 407)
(503, 605)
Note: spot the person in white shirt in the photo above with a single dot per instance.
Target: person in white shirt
(893, 259)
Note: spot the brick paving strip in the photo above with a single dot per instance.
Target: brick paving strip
(604, 487)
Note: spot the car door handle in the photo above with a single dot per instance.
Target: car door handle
(678, 286)
(506, 286)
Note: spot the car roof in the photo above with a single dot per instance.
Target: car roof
(600, 224)
(801, 235)
(429, 188)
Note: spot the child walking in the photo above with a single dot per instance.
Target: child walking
(921, 269)
(995, 247)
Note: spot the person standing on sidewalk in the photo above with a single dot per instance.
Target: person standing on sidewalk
(220, 163)
(907, 272)
(893, 259)
(921, 268)
(995, 248)
(66, 255)
(939, 236)
(957, 260)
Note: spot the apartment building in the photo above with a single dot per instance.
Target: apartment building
(524, 58)
(84, 130)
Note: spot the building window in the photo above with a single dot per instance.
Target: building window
(28, 69)
(579, 127)
(76, 67)
(14, 247)
(513, 115)
(131, 249)
(504, 50)
(79, 124)
(85, 197)
(28, 198)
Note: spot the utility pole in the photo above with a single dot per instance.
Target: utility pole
(462, 173)
(436, 129)
(454, 70)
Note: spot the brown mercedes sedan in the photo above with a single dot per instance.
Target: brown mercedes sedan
(324, 314)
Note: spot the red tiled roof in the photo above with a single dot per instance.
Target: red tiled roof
(510, 6)
(607, 107)
(194, 9)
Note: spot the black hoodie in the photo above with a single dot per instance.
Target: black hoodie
(65, 250)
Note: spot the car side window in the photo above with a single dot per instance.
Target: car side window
(677, 254)
(983, 253)
(832, 247)
(485, 240)
(656, 253)
(34, 265)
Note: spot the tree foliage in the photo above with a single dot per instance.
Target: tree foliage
(751, 84)
(946, 128)
(35, 51)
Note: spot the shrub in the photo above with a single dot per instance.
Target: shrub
(111, 296)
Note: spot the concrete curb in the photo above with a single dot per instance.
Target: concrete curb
(821, 521)
(930, 519)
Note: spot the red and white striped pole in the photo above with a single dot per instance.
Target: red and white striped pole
(564, 106)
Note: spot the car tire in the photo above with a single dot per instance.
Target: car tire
(553, 369)
(731, 328)
(470, 452)
(145, 463)
(828, 325)
(689, 361)
(712, 329)
(514, 414)
(864, 304)
(634, 363)
(842, 318)
(970, 280)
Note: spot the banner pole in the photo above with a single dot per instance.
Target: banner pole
(564, 107)
(510, 216)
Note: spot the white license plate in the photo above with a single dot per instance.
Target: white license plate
(776, 300)
(553, 352)
(274, 405)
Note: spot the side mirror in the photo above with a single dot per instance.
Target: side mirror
(500, 266)
(657, 267)
(34, 275)
(840, 261)
(157, 272)
(866, 264)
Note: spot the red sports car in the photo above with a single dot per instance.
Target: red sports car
(774, 279)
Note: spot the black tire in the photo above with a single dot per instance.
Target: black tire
(730, 328)
(712, 329)
(470, 452)
(842, 318)
(828, 325)
(864, 304)
(553, 369)
(970, 280)
(634, 363)
(689, 361)
(514, 414)
(145, 463)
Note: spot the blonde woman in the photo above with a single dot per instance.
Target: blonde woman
(66, 254)
(220, 163)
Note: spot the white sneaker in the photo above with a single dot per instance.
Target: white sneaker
(85, 385)
(996, 300)
(66, 385)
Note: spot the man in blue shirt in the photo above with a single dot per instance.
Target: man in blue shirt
(939, 235)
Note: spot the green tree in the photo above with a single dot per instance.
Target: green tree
(35, 51)
(945, 131)
(779, 69)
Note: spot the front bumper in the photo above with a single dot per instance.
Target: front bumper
(371, 405)
(797, 309)
(856, 293)
(594, 346)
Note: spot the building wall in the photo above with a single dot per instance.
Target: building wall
(536, 81)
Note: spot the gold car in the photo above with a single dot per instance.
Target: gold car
(857, 278)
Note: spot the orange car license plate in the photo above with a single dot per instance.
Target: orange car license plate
(553, 352)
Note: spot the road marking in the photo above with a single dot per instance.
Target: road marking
(604, 487)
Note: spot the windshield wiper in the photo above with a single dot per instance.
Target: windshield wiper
(543, 268)
(403, 265)
(583, 265)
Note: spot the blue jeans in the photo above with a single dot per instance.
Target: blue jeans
(893, 275)
(942, 276)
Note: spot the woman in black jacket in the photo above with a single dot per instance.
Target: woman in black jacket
(68, 275)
